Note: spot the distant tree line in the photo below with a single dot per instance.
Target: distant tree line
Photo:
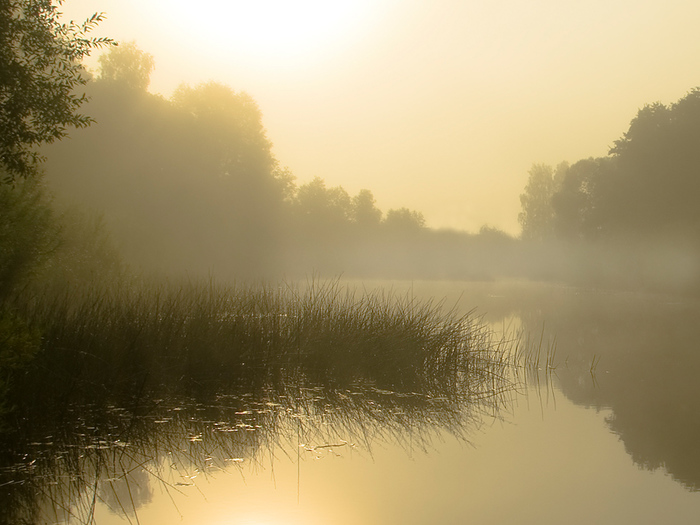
(628, 219)
(647, 188)
(190, 183)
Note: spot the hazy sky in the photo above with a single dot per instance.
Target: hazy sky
(438, 105)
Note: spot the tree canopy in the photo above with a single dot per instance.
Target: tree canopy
(127, 64)
(647, 187)
(39, 69)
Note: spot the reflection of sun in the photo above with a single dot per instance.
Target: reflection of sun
(271, 31)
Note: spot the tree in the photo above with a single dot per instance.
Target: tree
(128, 64)
(364, 210)
(323, 205)
(404, 220)
(491, 233)
(656, 184)
(28, 232)
(579, 201)
(39, 70)
(229, 128)
(537, 213)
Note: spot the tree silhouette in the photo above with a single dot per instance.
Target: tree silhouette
(39, 71)
(403, 220)
(578, 202)
(364, 210)
(322, 205)
(127, 64)
(536, 217)
(655, 188)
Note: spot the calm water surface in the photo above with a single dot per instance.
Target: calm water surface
(610, 435)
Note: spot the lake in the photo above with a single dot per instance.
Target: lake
(603, 428)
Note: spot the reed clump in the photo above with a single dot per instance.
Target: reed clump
(208, 333)
(92, 393)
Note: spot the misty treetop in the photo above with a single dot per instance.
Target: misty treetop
(191, 182)
(39, 70)
(127, 64)
(536, 215)
(648, 186)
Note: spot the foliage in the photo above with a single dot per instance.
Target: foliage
(494, 234)
(404, 220)
(364, 210)
(86, 253)
(19, 342)
(39, 70)
(40, 244)
(647, 188)
(27, 232)
(323, 205)
(200, 192)
(229, 125)
(536, 215)
(199, 187)
(127, 64)
(579, 210)
(655, 187)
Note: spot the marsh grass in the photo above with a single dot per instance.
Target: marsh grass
(172, 336)
(316, 363)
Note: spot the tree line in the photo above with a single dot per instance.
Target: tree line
(189, 183)
(630, 218)
(645, 189)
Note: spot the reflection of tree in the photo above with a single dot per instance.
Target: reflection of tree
(126, 493)
(647, 374)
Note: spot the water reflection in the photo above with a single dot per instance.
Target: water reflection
(637, 354)
(113, 457)
(649, 359)
(119, 456)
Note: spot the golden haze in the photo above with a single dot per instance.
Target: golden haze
(440, 106)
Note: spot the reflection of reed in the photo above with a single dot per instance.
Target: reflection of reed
(256, 369)
(113, 456)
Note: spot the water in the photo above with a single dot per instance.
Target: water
(607, 436)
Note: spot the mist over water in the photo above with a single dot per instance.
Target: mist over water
(606, 415)
(180, 315)
(189, 185)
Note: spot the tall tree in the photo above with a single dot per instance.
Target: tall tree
(39, 71)
(229, 127)
(128, 64)
(326, 207)
(403, 220)
(536, 217)
(579, 202)
(656, 185)
(364, 210)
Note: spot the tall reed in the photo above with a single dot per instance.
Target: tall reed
(90, 404)
(194, 333)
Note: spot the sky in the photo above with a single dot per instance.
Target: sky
(441, 106)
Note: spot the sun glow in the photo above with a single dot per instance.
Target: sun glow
(266, 32)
